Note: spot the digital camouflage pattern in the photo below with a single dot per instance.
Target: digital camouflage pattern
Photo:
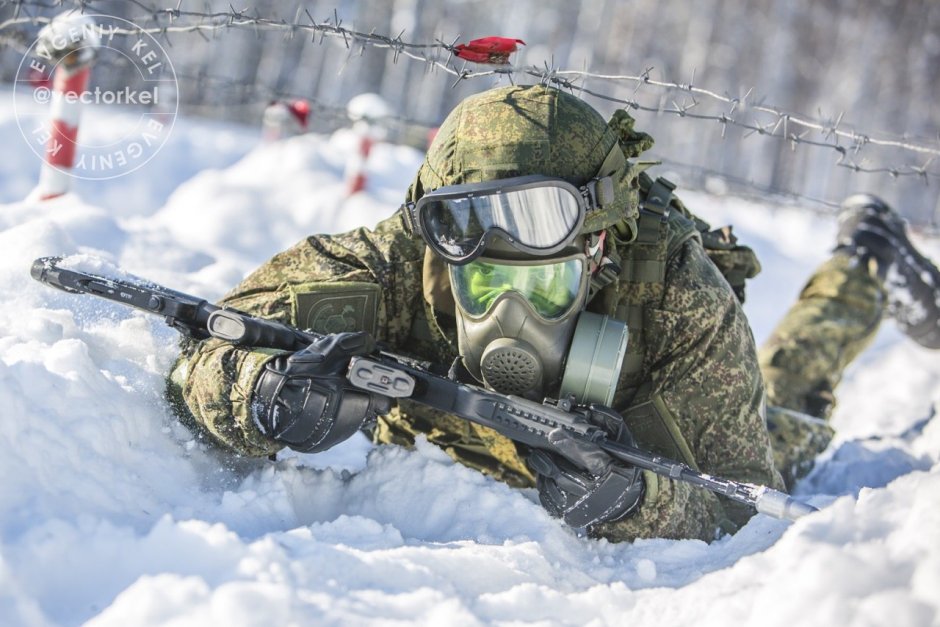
(835, 318)
(691, 385)
(215, 380)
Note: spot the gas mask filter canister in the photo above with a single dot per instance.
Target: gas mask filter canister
(595, 359)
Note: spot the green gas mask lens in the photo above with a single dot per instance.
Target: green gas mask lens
(551, 288)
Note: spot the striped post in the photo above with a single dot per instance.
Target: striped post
(284, 118)
(70, 41)
(67, 86)
(368, 113)
(356, 165)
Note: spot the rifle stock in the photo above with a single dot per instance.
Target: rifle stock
(397, 376)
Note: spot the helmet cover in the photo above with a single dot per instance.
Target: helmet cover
(523, 130)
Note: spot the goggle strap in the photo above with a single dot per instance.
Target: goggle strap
(601, 187)
(604, 192)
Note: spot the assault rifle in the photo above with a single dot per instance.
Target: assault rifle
(398, 376)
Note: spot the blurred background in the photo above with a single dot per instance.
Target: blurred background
(807, 100)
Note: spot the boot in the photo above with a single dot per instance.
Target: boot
(872, 231)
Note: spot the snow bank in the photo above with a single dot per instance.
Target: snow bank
(113, 514)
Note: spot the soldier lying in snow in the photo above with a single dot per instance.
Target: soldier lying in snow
(528, 223)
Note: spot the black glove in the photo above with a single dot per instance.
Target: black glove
(584, 485)
(305, 401)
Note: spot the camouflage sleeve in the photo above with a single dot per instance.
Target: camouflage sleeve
(706, 381)
(361, 280)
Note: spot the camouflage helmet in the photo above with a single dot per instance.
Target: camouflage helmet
(534, 129)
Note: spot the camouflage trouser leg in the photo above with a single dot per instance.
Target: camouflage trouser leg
(835, 318)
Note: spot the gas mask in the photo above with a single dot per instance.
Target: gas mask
(522, 330)
(515, 319)
(520, 278)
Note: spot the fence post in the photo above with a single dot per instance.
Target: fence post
(368, 113)
(70, 40)
(284, 118)
(356, 165)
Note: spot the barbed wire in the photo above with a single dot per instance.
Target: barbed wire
(821, 205)
(261, 94)
(340, 115)
(439, 55)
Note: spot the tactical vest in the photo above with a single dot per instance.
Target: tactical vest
(627, 294)
(663, 226)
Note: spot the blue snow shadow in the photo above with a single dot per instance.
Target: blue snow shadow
(871, 462)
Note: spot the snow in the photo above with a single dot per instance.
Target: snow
(112, 514)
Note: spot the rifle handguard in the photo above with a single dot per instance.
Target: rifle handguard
(239, 328)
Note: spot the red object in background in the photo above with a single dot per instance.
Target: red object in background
(37, 79)
(356, 167)
(301, 111)
(494, 50)
(54, 176)
(285, 118)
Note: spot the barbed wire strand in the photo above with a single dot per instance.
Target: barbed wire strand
(783, 125)
(440, 55)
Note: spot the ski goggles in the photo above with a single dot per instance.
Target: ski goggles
(551, 288)
(537, 215)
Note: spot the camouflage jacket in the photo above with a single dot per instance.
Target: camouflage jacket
(691, 386)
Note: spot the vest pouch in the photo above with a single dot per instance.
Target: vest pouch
(656, 430)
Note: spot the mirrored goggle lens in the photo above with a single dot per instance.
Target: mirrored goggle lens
(538, 218)
(552, 288)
